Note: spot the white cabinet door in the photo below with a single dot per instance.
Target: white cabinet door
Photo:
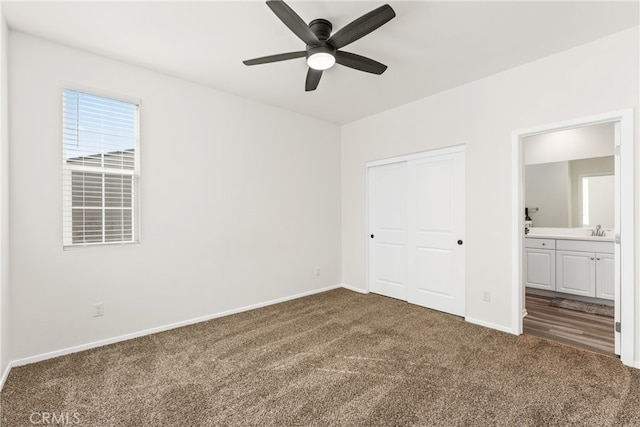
(540, 269)
(436, 233)
(576, 273)
(605, 276)
(388, 230)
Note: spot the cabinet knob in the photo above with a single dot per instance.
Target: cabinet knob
(592, 259)
(544, 244)
(460, 242)
(372, 236)
(598, 259)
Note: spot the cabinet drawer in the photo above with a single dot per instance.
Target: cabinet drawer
(585, 246)
(530, 242)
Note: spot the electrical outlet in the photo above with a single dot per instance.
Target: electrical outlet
(486, 296)
(98, 309)
(317, 271)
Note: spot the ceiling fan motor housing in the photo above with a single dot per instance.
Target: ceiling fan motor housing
(321, 28)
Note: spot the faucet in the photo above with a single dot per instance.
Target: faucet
(599, 232)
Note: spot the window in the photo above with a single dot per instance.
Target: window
(100, 169)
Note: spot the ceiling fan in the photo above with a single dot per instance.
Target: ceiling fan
(322, 50)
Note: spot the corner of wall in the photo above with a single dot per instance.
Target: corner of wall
(354, 289)
(5, 366)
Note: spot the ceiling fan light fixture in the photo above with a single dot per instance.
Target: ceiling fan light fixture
(320, 58)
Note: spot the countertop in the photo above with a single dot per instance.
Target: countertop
(571, 233)
(569, 237)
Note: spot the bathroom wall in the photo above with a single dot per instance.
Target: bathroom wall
(570, 144)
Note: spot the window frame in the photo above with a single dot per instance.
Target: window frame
(67, 183)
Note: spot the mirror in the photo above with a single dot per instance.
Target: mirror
(573, 193)
(570, 177)
(597, 193)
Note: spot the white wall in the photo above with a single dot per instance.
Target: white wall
(4, 199)
(570, 144)
(240, 202)
(594, 78)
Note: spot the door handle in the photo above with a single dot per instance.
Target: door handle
(460, 242)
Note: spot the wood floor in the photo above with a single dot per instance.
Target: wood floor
(575, 328)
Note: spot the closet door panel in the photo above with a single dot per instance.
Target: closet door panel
(388, 230)
(436, 233)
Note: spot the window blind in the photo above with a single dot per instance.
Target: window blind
(100, 169)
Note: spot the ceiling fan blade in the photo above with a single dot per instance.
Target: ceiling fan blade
(313, 78)
(362, 26)
(275, 58)
(358, 62)
(293, 21)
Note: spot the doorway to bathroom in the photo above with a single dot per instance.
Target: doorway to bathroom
(573, 267)
(569, 262)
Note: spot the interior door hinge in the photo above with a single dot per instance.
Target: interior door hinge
(617, 238)
(616, 150)
(618, 327)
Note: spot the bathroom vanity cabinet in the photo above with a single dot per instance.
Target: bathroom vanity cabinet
(605, 276)
(540, 264)
(578, 267)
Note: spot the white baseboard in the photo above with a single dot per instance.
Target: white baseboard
(100, 343)
(490, 325)
(5, 375)
(354, 289)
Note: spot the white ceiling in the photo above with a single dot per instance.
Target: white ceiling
(429, 46)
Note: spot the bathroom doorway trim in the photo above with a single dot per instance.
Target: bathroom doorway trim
(625, 284)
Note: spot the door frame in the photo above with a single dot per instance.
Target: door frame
(398, 159)
(625, 286)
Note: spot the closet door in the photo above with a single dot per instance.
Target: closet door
(416, 230)
(388, 230)
(436, 215)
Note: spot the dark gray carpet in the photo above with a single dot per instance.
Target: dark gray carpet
(337, 358)
(585, 307)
